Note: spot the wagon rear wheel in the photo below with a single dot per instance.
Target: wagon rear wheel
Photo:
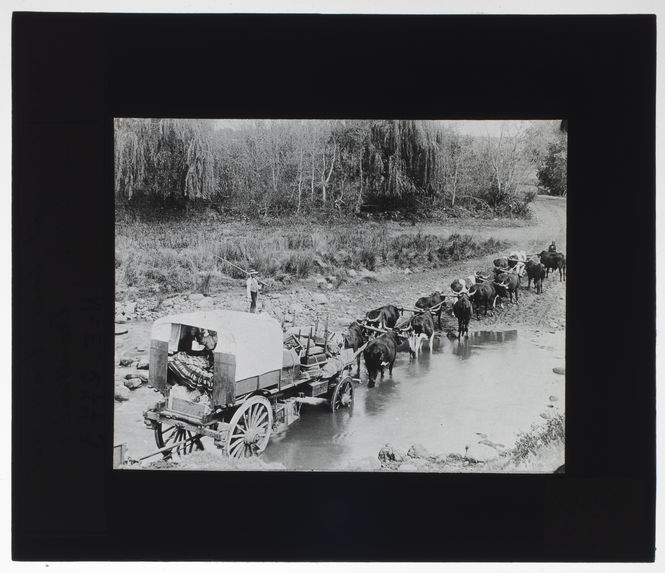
(182, 440)
(342, 396)
(249, 428)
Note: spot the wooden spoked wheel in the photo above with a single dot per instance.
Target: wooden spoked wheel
(342, 395)
(182, 440)
(249, 428)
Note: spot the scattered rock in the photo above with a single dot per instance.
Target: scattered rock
(126, 361)
(553, 399)
(143, 364)
(352, 273)
(408, 271)
(129, 308)
(195, 297)
(559, 370)
(121, 393)
(133, 383)
(388, 455)
(140, 375)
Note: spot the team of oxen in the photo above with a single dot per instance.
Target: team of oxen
(385, 329)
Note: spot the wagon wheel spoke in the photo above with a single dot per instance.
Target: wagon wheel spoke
(168, 430)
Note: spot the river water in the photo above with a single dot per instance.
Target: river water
(491, 386)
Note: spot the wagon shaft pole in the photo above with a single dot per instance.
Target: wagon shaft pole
(167, 448)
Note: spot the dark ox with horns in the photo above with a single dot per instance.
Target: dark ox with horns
(354, 338)
(508, 284)
(384, 317)
(463, 312)
(419, 328)
(381, 352)
(435, 300)
(483, 294)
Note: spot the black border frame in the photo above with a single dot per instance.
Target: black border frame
(72, 73)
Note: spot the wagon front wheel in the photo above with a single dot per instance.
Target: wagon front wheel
(342, 395)
(249, 428)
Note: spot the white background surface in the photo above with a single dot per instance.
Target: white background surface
(302, 6)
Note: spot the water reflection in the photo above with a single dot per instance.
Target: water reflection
(445, 399)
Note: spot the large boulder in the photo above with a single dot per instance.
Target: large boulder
(143, 364)
(126, 362)
(195, 297)
(205, 303)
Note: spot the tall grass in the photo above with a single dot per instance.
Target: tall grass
(176, 256)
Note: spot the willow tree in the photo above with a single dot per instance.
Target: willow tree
(401, 160)
(163, 159)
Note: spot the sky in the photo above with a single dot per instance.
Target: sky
(464, 126)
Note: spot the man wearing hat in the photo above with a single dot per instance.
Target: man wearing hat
(252, 289)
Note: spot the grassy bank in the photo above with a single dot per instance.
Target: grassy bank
(182, 255)
(541, 448)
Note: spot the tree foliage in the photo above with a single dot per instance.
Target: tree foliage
(268, 168)
(553, 168)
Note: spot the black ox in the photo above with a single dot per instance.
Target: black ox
(463, 312)
(483, 294)
(381, 352)
(554, 261)
(426, 302)
(354, 338)
(535, 272)
(384, 317)
(508, 284)
(421, 328)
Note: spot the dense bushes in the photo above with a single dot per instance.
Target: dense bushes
(178, 256)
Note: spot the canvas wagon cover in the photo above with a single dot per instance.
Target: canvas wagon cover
(254, 339)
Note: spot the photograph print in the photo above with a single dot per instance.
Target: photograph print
(340, 295)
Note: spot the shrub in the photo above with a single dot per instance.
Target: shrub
(530, 442)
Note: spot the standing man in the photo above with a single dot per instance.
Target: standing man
(552, 248)
(252, 289)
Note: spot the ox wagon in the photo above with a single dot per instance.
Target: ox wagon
(254, 386)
